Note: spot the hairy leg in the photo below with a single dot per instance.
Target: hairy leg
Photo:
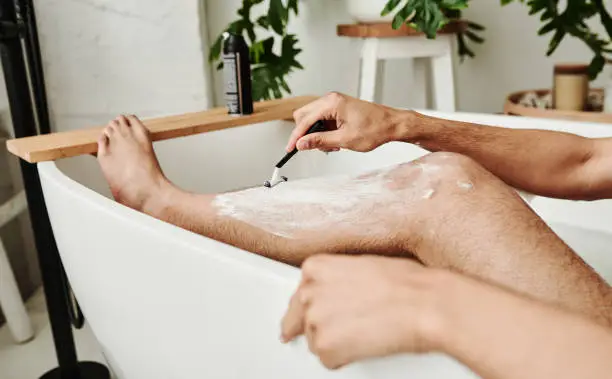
(287, 223)
(477, 225)
(444, 208)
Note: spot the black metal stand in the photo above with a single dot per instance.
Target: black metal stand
(18, 33)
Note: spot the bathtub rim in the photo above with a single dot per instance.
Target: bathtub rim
(193, 242)
(582, 128)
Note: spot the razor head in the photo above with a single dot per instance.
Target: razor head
(270, 184)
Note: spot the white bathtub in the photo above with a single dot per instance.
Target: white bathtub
(166, 303)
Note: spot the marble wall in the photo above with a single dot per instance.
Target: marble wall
(106, 57)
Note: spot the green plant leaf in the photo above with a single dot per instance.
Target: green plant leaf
(463, 50)
(215, 49)
(293, 4)
(538, 5)
(555, 41)
(547, 15)
(276, 91)
(276, 13)
(454, 4)
(251, 33)
(596, 66)
(389, 7)
(475, 26)
(235, 27)
(263, 22)
(283, 84)
(256, 50)
(472, 36)
(296, 64)
(402, 15)
(547, 28)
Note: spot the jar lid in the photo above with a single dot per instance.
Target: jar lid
(571, 68)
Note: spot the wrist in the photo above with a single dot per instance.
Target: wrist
(434, 311)
(407, 126)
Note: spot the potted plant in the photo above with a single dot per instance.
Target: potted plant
(270, 70)
(368, 11)
(572, 21)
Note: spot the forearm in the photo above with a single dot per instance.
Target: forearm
(542, 162)
(500, 335)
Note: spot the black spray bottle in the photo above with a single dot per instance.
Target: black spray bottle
(237, 75)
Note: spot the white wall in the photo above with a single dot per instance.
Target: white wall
(331, 63)
(105, 57)
(511, 59)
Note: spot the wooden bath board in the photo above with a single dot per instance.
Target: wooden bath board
(49, 147)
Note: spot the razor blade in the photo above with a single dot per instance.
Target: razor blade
(273, 182)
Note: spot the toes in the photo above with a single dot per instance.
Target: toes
(103, 144)
(138, 127)
(111, 129)
(123, 125)
(111, 132)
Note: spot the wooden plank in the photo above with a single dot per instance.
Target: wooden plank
(385, 30)
(54, 146)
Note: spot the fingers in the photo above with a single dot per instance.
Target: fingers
(293, 322)
(323, 108)
(326, 141)
(314, 270)
(338, 346)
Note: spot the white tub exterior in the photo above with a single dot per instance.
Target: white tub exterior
(166, 303)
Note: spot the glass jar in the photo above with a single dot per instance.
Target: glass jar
(571, 87)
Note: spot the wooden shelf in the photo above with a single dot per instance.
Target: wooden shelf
(512, 107)
(385, 30)
(54, 146)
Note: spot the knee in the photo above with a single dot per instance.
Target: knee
(453, 169)
(441, 175)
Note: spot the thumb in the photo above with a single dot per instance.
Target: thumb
(323, 141)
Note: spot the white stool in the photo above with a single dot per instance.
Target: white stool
(17, 318)
(381, 42)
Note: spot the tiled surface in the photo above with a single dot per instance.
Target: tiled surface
(34, 358)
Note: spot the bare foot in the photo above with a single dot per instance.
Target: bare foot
(130, 166)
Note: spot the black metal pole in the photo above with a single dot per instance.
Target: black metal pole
(25, 14)
(24, 124)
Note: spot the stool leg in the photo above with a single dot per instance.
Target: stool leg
(443, 80)
(17, 317)
(368, 84)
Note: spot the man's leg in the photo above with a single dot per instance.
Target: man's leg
(477, 225)
(446, 209)
(260, 220)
